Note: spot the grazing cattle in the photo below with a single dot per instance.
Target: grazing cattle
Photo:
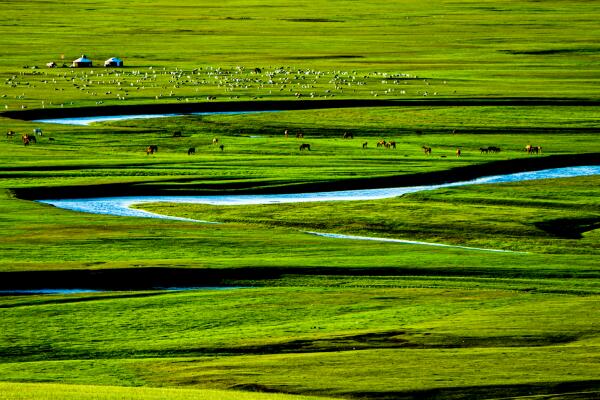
(221, 147)
(365, 145)
(215, 141)
(51, 139)
(37, 131)
(305, 146)
(177, 134)
(494, 149)
(191, 150)
(347, 135)
(151, 149)
(483, 150)
(457, 152)
(426, 150)
(10, 134)
(381, 143)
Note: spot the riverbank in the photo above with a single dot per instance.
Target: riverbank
(287, 105)
(177, 187)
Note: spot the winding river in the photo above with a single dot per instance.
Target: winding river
(122, 206)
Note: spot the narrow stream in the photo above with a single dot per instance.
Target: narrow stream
(122, 206)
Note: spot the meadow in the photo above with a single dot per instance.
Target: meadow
(290, 315)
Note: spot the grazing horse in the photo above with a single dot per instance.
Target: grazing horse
(305, 146)
(365, 145)
(299, 135)
(381, 143)
(151, 149)
(494, 149)
(28, 139)
(484, 150)
(535, 149)
(457, 152)
(191, 150)
(10, 134)
(426, 150)
(347, 135)
(221, 147)
(392, 145)
(286, 133)
(215, 140)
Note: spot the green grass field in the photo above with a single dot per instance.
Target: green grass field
(304, 316)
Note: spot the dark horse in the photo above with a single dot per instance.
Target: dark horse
(191, 150)
(305, 146)
(348, 135)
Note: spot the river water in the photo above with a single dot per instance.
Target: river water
(121, 206)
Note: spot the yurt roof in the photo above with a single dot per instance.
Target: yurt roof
(114, 59)
(83, 58)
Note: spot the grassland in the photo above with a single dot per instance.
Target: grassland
(305, 315)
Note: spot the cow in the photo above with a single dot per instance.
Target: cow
(191, 150)
(215, 140)
(10, 134)
(305, 146)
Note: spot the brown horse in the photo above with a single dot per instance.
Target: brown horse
(381, 143)
(392, 145)
(426, 150)
(151, 149)
(457, 152)
(28, 139)
(304, 146)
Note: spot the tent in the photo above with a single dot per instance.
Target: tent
(113, 62)
(82, 61)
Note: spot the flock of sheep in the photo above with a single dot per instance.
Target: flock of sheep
(61, 87)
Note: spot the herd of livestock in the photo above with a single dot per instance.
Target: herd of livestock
(151, 149)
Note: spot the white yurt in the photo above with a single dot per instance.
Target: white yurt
(82, 61)
(113, 62)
